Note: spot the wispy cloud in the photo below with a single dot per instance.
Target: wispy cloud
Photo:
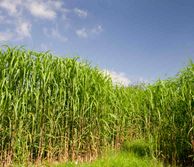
(119, 78)
(81, 13)
(41, 10)
(23, 29)
(20, 15)
(13, 14)
(98, 29)
(11, 6)
(84, 33)
(54, 33)
(13, 18)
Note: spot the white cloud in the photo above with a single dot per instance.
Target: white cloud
(118, 78)
(55, 4)
(14, 20)
(44, 9)
(54, 33)
(5, 36)
(81, 13)
(82, 33)
(23, 29)
(14, 15)
(41, 10)
(11, 6)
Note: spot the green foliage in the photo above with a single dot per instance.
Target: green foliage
(170, 108)
(58, 108)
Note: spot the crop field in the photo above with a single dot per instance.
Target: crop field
(61, 109)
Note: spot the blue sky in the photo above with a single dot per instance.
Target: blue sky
(134, 40)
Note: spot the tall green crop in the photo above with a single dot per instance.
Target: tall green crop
(53, 108)
(61, 109)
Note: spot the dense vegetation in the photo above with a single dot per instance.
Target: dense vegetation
(58, 108)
